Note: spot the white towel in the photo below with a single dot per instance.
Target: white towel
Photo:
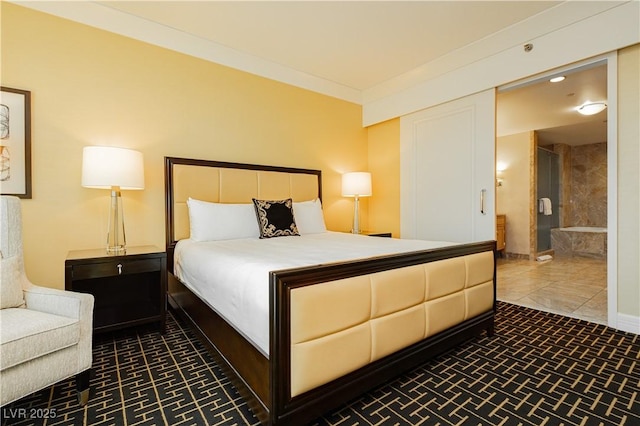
(545, 206)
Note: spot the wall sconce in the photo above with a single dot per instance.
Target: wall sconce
(106, 167)
(500, 168)
(356, 184)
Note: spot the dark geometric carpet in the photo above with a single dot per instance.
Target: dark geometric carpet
(539, 369)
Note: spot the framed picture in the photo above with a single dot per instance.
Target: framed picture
(15, 142)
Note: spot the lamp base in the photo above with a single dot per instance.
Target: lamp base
(117, 250)
(356, 216)
(116, 240)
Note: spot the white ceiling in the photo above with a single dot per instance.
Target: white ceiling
(549, 108)
(358, 44)
(353, 46)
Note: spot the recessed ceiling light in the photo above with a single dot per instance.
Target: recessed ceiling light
(557, 79)
(591, 108)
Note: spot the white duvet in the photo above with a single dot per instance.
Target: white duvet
(232, 276)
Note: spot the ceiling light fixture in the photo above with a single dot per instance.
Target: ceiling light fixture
(557, 79)
(591, 108)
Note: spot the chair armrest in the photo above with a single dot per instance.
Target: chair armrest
(58, 302)
(69, 304)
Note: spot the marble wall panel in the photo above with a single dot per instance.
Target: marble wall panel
(582, 244)
(589, 244)
(588, 185)
(561, 242)
(564, 207)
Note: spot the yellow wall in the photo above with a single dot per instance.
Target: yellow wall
(92, 87)
(513, 197)
(384, 165)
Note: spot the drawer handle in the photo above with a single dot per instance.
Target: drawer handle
(119, 266)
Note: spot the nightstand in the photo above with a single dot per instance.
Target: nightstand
(129, 289)
(377, 234)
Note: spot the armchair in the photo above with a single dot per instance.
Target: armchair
(45, 333)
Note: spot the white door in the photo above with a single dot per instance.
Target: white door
(447, 178)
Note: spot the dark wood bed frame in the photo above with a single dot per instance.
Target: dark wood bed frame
(265, 382)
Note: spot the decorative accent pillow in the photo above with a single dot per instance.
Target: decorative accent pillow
(11, 295)
(275, 218)
(308, 216)
(219, 221)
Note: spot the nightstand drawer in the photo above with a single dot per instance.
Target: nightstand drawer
(114, 268)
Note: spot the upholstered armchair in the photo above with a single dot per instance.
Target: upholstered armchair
(45, 334)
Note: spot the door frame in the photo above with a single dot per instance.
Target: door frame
(611, 60)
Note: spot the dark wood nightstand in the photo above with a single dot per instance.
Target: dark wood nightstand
(129, 289)
(378, 234)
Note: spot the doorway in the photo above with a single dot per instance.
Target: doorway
(545, 143)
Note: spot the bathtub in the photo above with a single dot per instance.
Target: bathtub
(583, 241)
(596, 229)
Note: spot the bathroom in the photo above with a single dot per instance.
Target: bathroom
(560, 156)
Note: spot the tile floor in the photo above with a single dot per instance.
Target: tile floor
(571, 286)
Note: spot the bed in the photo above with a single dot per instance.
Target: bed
(333, 329)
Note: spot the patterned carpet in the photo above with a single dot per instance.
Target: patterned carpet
(539, 369)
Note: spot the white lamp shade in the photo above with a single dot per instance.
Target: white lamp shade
(106, 166)
(356, 184)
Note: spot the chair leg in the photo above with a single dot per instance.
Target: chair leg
(82, 386)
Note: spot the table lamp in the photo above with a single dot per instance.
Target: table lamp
(106, 167)
(356, 184)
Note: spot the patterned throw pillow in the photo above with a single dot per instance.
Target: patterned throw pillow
(275, 218)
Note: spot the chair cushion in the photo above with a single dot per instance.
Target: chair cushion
(11, 295)
(26, 334)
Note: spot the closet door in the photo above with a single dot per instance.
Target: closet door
(447, 179)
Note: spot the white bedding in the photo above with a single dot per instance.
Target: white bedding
(232, 276)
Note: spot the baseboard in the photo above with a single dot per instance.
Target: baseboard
(518, 256)
(628, 323)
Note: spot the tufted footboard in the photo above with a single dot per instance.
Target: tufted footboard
(339, 331)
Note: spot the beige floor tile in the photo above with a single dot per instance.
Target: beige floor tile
(595, 309)
(575, 287)
(581, 289)
(554, 300)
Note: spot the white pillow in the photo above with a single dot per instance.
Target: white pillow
(308, 216)
(219, 221)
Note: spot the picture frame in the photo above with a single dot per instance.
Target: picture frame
(15, 142)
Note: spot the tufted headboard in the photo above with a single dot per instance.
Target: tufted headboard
(222, 182)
